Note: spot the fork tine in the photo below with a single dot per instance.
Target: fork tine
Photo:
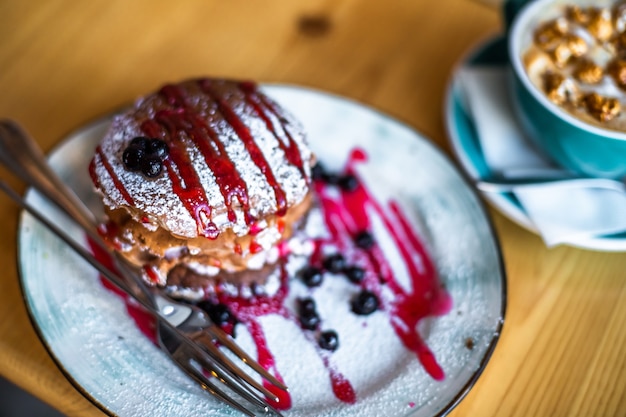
(209, 357)
(202, 379)
(208, 386)
(219, 356)
(184, 350)
(227, 380)
(227, 342)
(235, 385)
(225, 372)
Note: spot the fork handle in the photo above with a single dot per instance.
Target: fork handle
(20, 153)
(106, 272)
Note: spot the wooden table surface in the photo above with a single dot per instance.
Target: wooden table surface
(62, 63)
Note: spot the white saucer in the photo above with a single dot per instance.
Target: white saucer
(466, 146)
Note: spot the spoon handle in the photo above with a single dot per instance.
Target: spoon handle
(510, 185)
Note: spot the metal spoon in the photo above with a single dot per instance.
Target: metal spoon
(503, 185)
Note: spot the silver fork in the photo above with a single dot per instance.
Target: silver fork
(185, 332)
(181, 348)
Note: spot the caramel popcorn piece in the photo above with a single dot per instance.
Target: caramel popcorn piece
(570, 46)
(619, 45)
(561, 46)
(561, 55)
(577, 15)
(619, 17)
(617, 70)
(601, 108)
(576, 45)
(600, 25)
(576, 55)
(588, 72)
(535, 61)
(556, 87)
(549, 35)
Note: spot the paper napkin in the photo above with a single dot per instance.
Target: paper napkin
(561, 215)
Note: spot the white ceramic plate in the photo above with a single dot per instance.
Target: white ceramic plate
(99, 348)
(466, 146)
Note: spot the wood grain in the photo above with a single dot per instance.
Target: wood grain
(62, 63)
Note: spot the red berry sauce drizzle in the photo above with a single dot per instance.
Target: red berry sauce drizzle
(116, 181)
(171, 124)
(346, 213)
(269, 111)
(178, 121)
(349, 214)
(246, 137)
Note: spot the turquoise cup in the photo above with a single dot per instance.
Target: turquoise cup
(580, 147)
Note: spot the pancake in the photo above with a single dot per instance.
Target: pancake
(209, 176)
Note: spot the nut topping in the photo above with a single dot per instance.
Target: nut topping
(556, 87)
(602, 108)
(588, 72)
(577, 15)
(600, 25)
(579, 61)
(549, 35)
(617, 70)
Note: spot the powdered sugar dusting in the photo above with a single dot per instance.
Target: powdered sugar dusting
(154, 197)
(157, 197)
(287, 175)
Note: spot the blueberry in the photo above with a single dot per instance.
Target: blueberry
(140, 142)
(309, 321)
(348, 182)
(332, 179)
(219, 313)
(354, 273)
(206, 305)
(318, 172)
(334, 263)
(145, 154)
(329, 340)
(306, 306)
(365, 303)
(311, 276)
(364, 240)
(133, 158)
(152, 166)
(158, 148)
